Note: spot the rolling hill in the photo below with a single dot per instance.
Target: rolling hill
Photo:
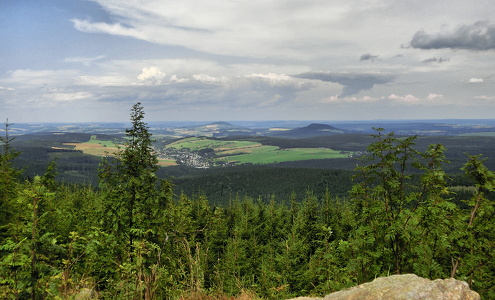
(312, 130)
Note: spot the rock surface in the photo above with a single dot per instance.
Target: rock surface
(405, 287)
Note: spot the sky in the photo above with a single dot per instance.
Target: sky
(227, 60)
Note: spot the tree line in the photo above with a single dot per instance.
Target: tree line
(133, 238)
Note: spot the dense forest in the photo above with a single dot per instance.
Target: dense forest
(134, 236)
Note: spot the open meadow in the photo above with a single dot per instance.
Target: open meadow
(248, 152)
(95, 147)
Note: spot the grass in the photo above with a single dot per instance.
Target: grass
(94, 140)
(238, 152)
(488, 133)
(166, 162)
(241, 152)
(268, 154)
(102, 148)
(195, 144)
(95, 147)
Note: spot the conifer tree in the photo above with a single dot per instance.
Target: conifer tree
(130, 182)
(9, 176)
(133, 212)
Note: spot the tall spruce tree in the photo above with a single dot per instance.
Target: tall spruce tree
(130, 184)
(139, 164)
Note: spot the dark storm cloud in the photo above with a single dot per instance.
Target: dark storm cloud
(368, 56)
(353, 82)
(435, 60)
(478, 36)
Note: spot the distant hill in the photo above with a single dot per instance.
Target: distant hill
(312, 130)
(221, 129)
(425, 127)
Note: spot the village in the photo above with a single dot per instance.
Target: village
(195, 159)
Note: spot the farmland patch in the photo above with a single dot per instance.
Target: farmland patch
(229, 152)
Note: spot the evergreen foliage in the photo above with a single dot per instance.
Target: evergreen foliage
(132, 238)
(9, 177)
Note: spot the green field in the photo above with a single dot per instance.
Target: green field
(272, 154)
(95, 147)
(94, 140)
(242, 152)
(488, 133)
(198, 143)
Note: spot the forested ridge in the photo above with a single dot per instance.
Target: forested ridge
(136, 237)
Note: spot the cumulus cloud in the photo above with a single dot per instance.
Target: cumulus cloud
(409, 99)
(338, 99)
(272, 77)
(368, 56)
(476, 80)
(434, 96)
(150, 76)
(405, 99)
(175, 79)
(272, 80)
(478, 36)
(484, 97)
(436, 60)
(205, 78)
(353, 82)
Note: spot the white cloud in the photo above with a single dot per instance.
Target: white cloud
(272, 77)
(115, 29)
(350, 100)
(476, 80)
(205, 78)
(176, 79)
(483, 97)
(408, 99)
(151, 75)
(234, 56)
(242, 28)
(331, 99)
(279, 81)
(434, 96)
(281, 28)
(392, 99)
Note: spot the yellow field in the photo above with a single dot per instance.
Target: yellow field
(100, 150)
(166, 162)
(93, 148)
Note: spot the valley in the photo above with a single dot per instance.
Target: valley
(219, 158)
(202, 152)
